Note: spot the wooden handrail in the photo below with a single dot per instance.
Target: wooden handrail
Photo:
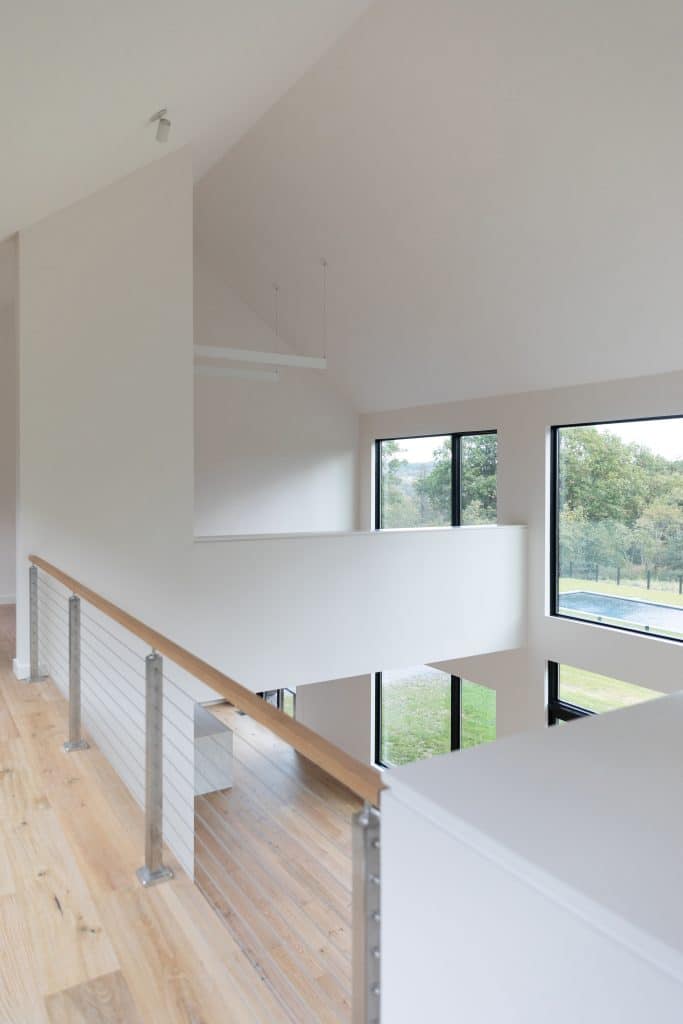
(362, 779)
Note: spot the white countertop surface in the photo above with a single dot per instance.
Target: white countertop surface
(590, 812)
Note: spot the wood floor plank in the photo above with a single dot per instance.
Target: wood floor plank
(285, 903)
(274, 856)
(20, 790)
(20, 999)
(170, 982)
(207, 933)
(103, 1000)
(71, 839)
(68, 941)
(8, 729)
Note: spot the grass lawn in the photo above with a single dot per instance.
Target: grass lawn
(599, 693)
(628, 588)
(416, 715)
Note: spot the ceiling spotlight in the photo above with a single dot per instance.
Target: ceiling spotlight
(163, 124)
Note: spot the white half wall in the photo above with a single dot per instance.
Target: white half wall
(523, 423)
(270, 457)
(341, 710)
(113, 708)
(8, 430)
(301, 609)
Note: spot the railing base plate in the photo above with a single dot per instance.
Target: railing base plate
(148, 878)
(68, 747)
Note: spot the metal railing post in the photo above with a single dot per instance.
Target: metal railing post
(34, 637)
(366, 916)
(75, 741)
(153, 870)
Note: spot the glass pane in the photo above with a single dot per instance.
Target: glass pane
(416, 714)
(478, 490)
(415, 482)
(599, 693)
(478, 714)
(620, 525)
(288, 699)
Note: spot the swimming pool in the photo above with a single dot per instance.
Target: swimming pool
(636, 614)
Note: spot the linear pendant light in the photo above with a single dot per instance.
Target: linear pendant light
(247, 355)
(238, 372)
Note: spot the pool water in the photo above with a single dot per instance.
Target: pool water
(637, 614)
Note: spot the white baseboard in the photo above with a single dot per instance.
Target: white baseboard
(8, 599)
(22, 670)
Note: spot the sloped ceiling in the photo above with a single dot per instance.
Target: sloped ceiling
(496, 187)
(80, 78)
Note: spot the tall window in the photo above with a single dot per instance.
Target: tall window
(618, 524)
(421, 712)
(442, 480)
(575, 693)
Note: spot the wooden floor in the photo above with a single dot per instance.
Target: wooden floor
(81, 941)
(273, 855)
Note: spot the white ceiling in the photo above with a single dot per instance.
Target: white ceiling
(80, 78)
(497, 187)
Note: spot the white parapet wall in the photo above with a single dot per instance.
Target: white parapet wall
(303, 608)
(532, 879)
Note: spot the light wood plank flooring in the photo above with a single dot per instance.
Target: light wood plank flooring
(273, 855)
(80, 941)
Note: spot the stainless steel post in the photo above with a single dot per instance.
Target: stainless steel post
(153, 870)
(366, 916)
(75, 742)
(34, 637)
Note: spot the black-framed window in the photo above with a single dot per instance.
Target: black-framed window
(436, 480)
(577, 693)
(283, 699)
(617, 524)
(421, 712)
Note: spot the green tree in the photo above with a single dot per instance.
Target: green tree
(433, 488)
(478, 479)
(397, 507)
(620, 503)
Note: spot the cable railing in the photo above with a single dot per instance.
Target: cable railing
(278, 828)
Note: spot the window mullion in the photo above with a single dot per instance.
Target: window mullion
(455, 480)
(456, 712)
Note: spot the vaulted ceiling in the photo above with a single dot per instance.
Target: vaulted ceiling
(496, 187)
(80, 78)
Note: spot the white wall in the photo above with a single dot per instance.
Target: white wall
(511, 960)
(8, 433)
(105, 440)
(523, 423)
(105, 416)
(270, 457)
(341, 710)
(301, 609)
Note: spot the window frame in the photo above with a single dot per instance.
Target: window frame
(561, 710)
(456, 473)
(554, 559)
(456, 715)
(279, 695)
